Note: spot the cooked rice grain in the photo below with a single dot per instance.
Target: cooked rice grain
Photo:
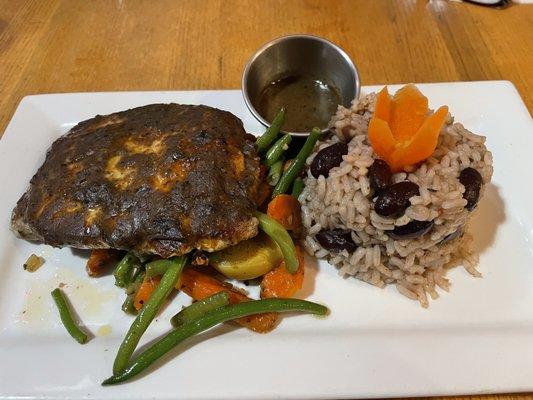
(344, 200)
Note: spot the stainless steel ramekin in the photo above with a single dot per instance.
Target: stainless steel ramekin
(300, 54)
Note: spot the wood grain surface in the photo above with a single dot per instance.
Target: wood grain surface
(49, 46)
(100, 45)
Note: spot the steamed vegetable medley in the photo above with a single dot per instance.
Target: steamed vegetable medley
(270, 259)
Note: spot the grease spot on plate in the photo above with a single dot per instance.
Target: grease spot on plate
(84, 294)
(104, 330)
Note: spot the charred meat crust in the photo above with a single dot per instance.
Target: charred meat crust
(160, 179)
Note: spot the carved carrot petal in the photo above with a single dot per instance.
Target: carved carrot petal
(400, 131)
(423, 144)
(408, 111)
(380, 137)
(383, 105)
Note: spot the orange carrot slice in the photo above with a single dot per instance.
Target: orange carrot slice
(408, 112)
(281, 283)
(98, 260)
(422, 144)
(145, 291)
(199, 285)
(380, 137)
(285, 209)
(383, 105)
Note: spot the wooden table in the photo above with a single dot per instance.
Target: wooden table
(102, 45)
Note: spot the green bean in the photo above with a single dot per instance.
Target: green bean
(297, 187)
(157, 267)
(66, 317)
(128, 306)
(274, 153)
(297, 165)
(147, 313)
(278, 234)
(272, 132)
(131, 290)
(215, 317)
(274, 173)
(136, 271)
(123, 269)
(144, 258)
(200, 308)
(134, 286)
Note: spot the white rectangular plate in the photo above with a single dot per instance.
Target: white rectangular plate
(476, 339)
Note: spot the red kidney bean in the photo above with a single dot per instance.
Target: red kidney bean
(379, 175)
(394, 199)
(328, 158)
(336, 240)
(471, 180)
(412, 230)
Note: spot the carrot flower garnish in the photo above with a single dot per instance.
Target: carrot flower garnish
(401, 132)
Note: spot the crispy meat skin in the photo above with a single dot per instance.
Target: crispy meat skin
(160, 179)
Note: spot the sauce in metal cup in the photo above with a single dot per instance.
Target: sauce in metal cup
(307, 75)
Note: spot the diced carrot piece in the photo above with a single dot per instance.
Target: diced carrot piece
(145, 291)
(423, 144)
(383, 105)
(199, 285)
(409, 109)
(285, 209)
(281, 283)
(380, 137)
(98, 260)
(260, 323)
